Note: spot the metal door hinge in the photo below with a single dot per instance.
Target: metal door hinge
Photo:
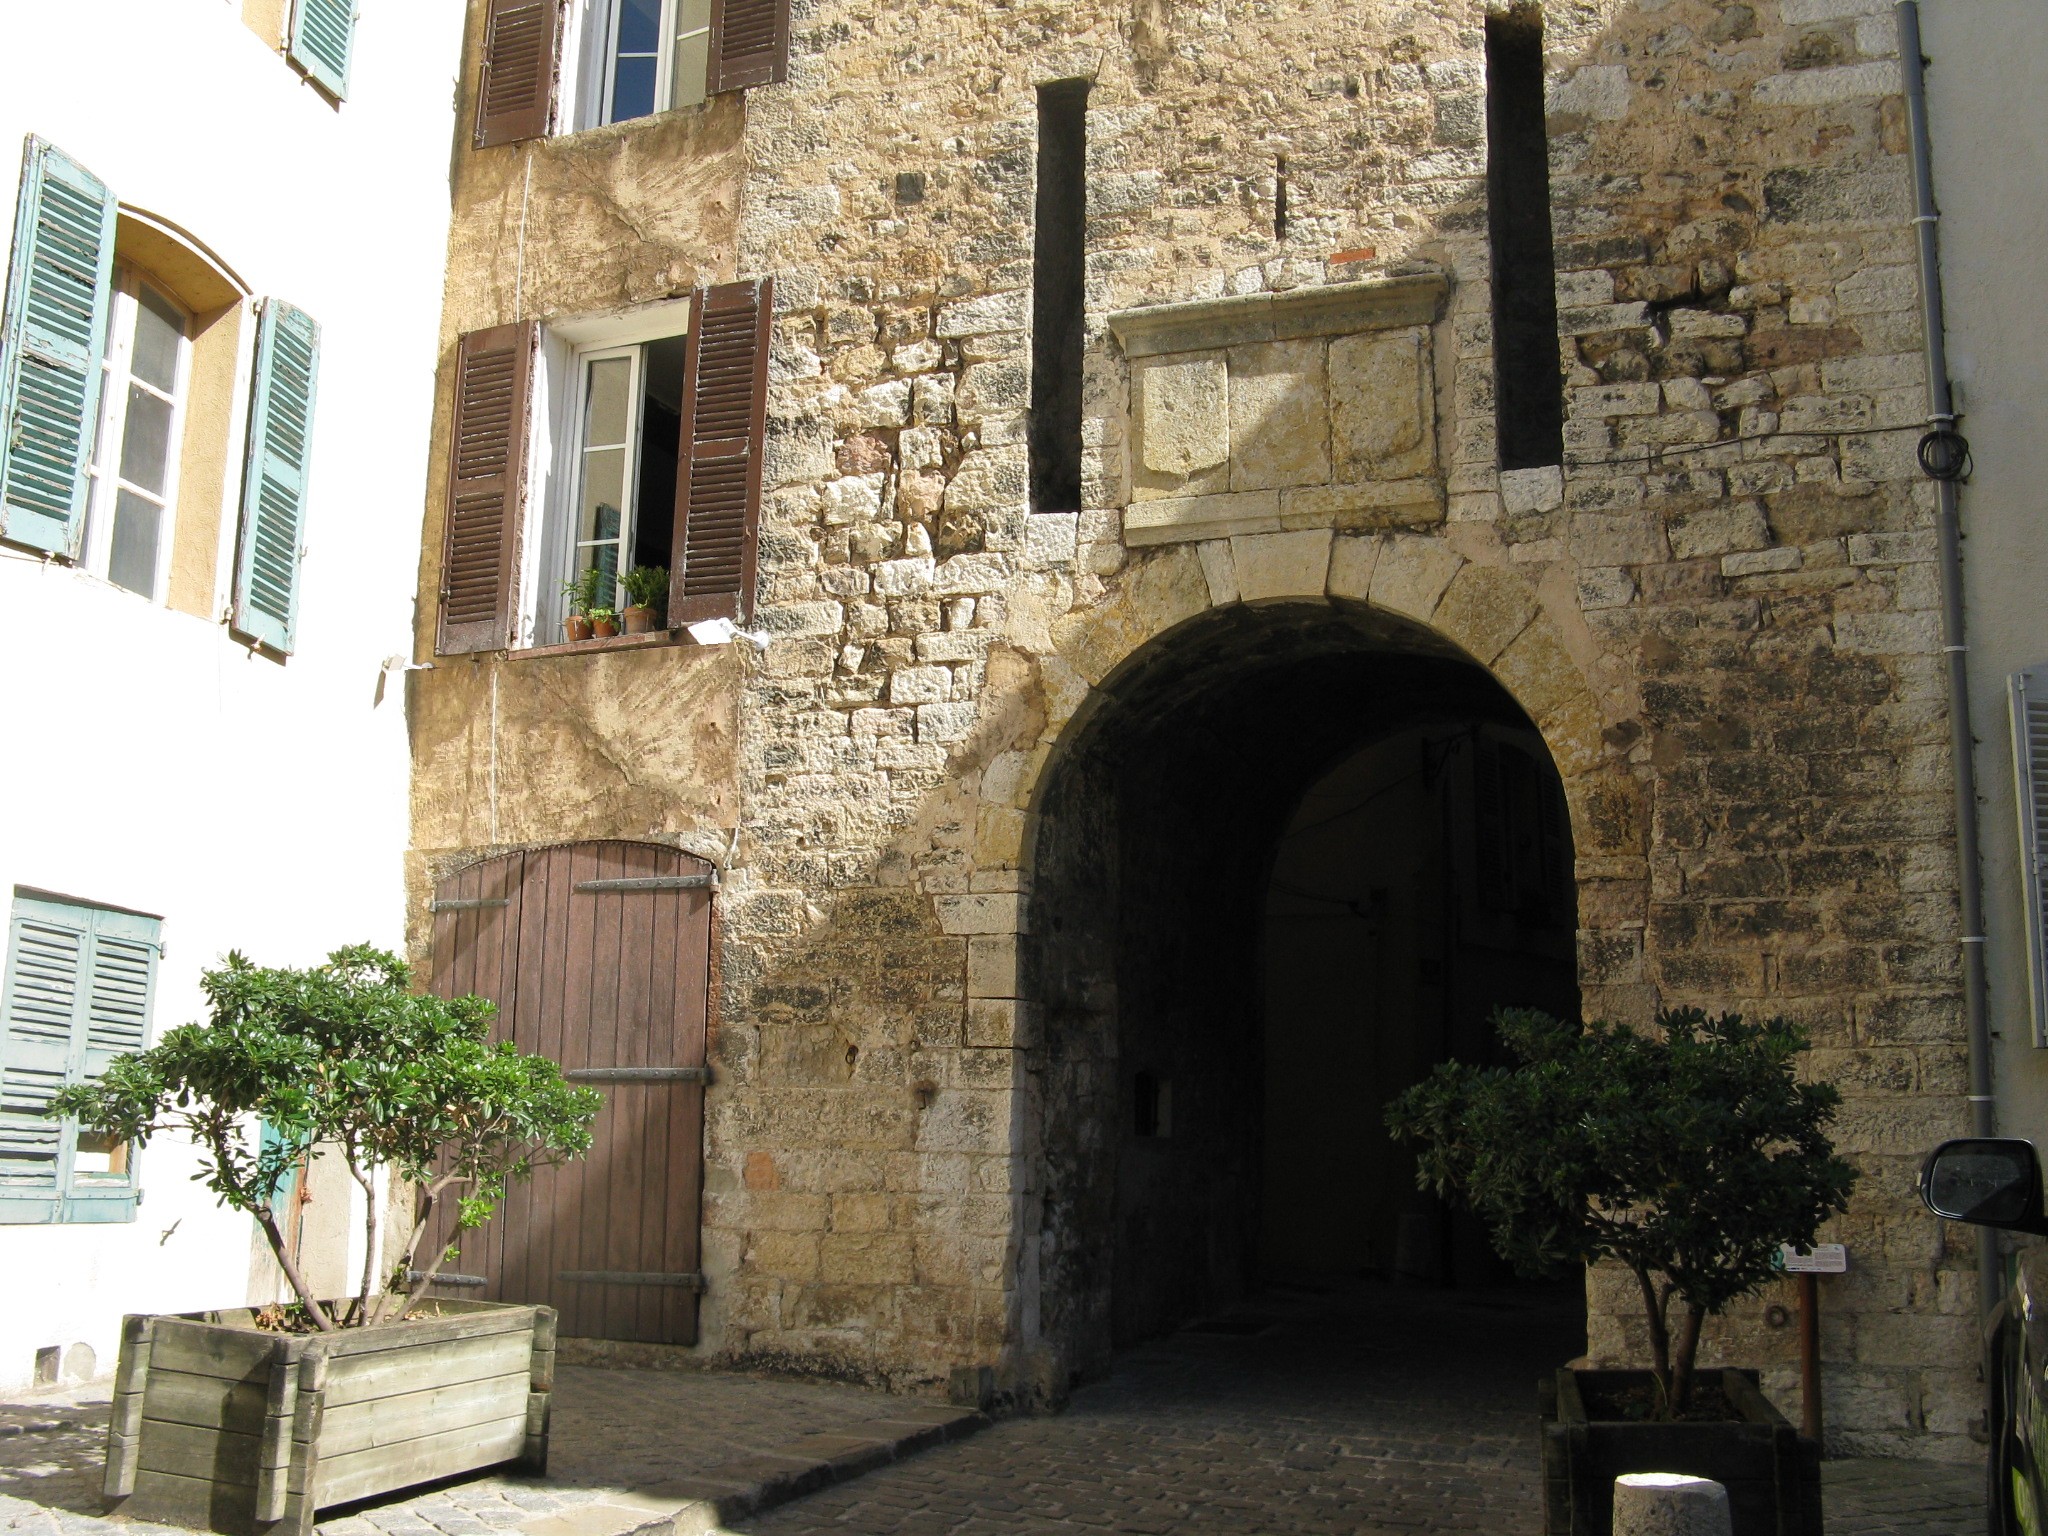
(639, 1075)
(687, 1281)
(653, 883)
(467, 905)
(414, 1276)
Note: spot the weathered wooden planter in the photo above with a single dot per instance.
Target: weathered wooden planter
(1771, 1471)
(223, 1425)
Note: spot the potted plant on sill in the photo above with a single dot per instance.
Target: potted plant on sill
(647, 588)
(247, 1420)
(580, 593)
(1686, 1156)
(604, 622)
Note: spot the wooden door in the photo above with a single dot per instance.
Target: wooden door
(598, 956)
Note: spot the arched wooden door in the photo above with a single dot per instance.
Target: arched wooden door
(598, 956)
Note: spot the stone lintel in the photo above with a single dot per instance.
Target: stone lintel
(1334, 309)
(1376, 505)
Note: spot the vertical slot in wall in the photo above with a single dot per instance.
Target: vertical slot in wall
(1528, 382)
(1058, 296)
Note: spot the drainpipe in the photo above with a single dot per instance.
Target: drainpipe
(1944, 467)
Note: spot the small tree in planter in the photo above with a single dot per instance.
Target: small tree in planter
(345, 1056)
(1687, 1157)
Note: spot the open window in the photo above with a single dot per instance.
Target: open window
(587, 448)
(134, 466)
(123, 352)
(557, 66)
(614, 477)
(643, 57)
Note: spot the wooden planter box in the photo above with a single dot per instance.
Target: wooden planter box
(220, 1425)
(1771, 1471)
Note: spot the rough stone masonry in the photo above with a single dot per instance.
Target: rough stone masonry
(1719, 610)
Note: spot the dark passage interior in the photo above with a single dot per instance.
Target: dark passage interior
(1295, 857)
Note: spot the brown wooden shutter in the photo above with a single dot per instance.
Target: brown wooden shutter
(749, 43)
(515, 97)
(718, 481)
(486, 488)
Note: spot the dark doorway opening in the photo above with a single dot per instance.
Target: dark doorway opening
(1422, 883)
(1293, 857)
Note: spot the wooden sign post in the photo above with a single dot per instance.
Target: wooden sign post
(1807, 1264)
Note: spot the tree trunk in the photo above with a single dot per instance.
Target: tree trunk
(268, 1221)
(367, 1179)
(429, 1198)
(1660, 1338)
(223, 1136)
(1682, 1374)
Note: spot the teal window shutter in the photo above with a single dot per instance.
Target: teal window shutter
(273, 532)
(323, 36)
(79, 987)
(59, 282)
(2029, 692)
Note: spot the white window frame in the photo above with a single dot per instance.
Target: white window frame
(103, 470)
(554, 450)
(589, 48)
(635, 356)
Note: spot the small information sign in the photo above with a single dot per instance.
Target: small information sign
(1821, 1259)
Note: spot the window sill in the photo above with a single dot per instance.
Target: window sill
(96, 1209)
(608, 643)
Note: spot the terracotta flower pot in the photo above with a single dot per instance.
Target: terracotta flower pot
(576, 627)
(639, 619)
(604, 629)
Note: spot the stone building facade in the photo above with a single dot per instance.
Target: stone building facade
(986, 796)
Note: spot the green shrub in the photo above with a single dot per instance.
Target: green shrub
(1687, 1156)
(344, 1056)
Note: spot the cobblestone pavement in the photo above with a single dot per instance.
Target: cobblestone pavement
(1378, 1412)
(612, 1430)
(1903, 1498)
(1382, 1412)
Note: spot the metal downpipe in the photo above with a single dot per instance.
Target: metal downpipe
(1955, 653)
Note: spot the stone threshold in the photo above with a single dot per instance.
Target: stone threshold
(701, 1505)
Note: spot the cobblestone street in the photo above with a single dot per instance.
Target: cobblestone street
(1325, 1420)
(1375, 1412)
(1386, 1412)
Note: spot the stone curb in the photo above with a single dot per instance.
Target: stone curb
(703, 1504)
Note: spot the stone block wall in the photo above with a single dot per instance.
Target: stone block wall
(1719, 609)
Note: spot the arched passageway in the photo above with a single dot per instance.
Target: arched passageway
(1289, 858)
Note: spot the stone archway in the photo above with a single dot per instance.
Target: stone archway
(1298, 648)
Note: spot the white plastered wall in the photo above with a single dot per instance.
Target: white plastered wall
(153, 762)
(1987, 59)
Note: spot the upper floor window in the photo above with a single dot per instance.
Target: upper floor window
(121, 363)
(654, 57)
(587, 448)
(616, 60)
(317, 37)
(621, 463)
(134, 469)
(321, 41)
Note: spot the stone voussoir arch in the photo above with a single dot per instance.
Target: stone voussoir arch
(1492, 613)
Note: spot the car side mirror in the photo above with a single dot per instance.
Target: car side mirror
(1990, 1183)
